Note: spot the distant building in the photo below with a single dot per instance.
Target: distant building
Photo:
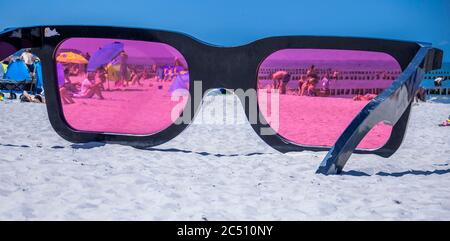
(429, 81)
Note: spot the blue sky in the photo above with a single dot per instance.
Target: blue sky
(233, 22)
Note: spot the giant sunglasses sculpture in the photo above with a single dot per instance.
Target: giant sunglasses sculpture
(336, 94)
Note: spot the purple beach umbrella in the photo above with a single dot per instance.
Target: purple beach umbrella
(104, 55)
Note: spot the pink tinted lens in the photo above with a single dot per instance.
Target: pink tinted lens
(121, 86)
(318, 92)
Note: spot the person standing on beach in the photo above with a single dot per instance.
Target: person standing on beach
(312, 77)
(325, 84)
(438, 81)
(179, 66)
(28, 58)
(123, 70)
(274, 81)
(335, 79)
(284, 81)
(312, 72)
(277, 77)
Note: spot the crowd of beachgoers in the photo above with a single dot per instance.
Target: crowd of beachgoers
(107, 77)
(76, 82)
(311, 83)
(29, 60)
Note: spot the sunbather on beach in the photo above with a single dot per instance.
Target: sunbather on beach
(25, 97)
(310, 90)
(366, 97)
(67, 90)
(309, 87)
(446, 122)
(305, 87)
(90, 88)
(123, 70)
(301, 82)
(66, 96)
(74, 69)
(68, 84)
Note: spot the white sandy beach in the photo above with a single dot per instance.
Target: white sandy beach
(216, 172)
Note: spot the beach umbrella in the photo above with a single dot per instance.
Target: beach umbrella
(70, 57)
(17, 71)
(104, 55)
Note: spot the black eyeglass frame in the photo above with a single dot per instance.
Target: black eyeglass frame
(238, 69)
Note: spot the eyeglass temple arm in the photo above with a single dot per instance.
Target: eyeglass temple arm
(389, 106)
